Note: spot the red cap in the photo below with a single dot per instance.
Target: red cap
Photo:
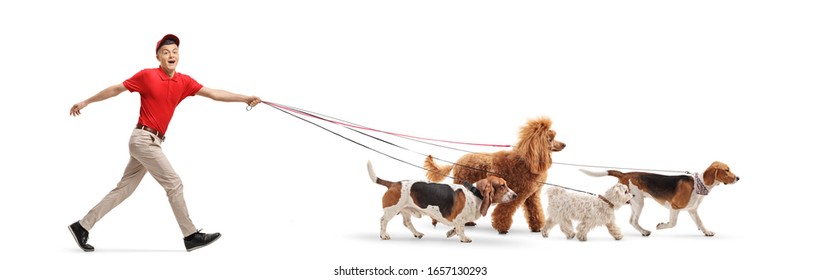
(171, 37)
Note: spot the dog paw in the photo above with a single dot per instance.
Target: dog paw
(503, 231)
(571, 236)
(663, 226)
(466, 240)
(709, 233)
(582, 238)
(545, 234)
(419, 236)
(646, 233)
(618, 237)
(451, 233)
(385, 236)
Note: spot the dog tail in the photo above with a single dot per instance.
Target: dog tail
(376, 179)
(435, 172)
(613, 173)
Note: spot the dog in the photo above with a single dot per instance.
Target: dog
(677, 193)
(590, 211)
(524, 167)
(451, 204)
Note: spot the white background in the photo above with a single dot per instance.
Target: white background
(644, 84)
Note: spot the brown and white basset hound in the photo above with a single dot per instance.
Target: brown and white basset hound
(677, 193)
(451, 204)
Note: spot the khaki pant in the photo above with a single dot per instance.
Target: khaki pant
(146, 156)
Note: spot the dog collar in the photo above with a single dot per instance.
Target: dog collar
(700, 187)
(473, 190)
(607, 201)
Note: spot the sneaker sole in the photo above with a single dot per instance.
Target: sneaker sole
(206, 244)
(78, 241)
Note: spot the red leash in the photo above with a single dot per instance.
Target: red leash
(347, 124)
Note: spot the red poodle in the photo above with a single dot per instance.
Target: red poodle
(524, 167)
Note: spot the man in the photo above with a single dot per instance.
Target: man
(161, 90)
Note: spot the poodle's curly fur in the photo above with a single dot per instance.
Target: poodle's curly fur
(590, 211)
(524, 167)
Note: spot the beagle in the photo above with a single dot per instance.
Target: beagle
(451, 204)
(677, 193)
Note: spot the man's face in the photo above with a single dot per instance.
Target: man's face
(168, 56)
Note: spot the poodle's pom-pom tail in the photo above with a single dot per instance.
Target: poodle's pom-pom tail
(595, 173)
(435, 172)
(372, 173)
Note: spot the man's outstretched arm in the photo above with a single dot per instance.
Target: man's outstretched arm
(102, 95)
(227, 96)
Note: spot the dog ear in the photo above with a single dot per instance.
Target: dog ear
(487, 192)
(710, 175)
(538, 150)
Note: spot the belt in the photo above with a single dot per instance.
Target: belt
(151, 130)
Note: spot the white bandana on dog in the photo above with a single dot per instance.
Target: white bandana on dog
(700, 187)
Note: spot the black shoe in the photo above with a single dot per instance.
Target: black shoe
(199, 240)
(81, 236)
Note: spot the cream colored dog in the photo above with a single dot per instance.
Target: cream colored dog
(590, 211)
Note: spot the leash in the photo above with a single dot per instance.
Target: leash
(353, 141)
(349, 124)
(622, 168)
(414, 139)
(352, 125)
(292, 111)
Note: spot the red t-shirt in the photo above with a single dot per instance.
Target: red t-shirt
(160, 95)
